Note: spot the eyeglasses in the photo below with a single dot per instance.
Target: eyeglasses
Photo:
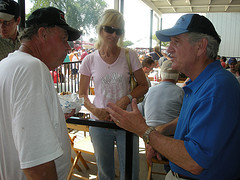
(7, 23)
(110, 30)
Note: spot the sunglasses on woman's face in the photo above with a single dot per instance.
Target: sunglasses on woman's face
(110, 30)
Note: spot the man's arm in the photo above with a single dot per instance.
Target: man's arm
(172, 149)
(168, 129)
(46, 171)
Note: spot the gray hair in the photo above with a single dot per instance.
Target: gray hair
(113, 18)
(166, 75)
(31, 31)
(212, 46)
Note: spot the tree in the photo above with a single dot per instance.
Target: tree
(165, 44)
(127, 43)
(80, 14)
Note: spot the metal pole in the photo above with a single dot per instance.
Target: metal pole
(160, 42)
(151, 24)
(122, 6)
(116, 4)
(22, 14)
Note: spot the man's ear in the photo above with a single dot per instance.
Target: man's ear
(42, 33)
(202, 46)
(18, 20)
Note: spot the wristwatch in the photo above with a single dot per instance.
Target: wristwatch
(147, 133)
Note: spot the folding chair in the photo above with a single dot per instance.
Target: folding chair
(155, 160)
(82, 146)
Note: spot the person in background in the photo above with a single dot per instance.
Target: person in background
(71, 54)
(232, 62)
(163, 58)
(163, 102)
(223, 61)
(66, 66)
(238, 72)
(109, 69)
(156, 54)
(34, 142)
(205, 136)
(84, 53)
(74, 66)
(147, 66)
(9, 20)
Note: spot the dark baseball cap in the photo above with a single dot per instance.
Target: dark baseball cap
(189, 23)
(52, 16)
(9, 9)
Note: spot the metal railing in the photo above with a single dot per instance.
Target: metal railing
(66, 78)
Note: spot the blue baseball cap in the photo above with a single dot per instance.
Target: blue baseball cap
(189, 23)
(232, 60)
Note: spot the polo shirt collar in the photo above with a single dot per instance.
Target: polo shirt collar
(203, 76)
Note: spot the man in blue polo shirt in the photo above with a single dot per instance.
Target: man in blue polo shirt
(206, 141)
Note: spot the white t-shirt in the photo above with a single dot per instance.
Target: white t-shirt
(111, 81)
(32, 125)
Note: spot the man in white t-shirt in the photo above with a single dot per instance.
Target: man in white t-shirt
(33, 135)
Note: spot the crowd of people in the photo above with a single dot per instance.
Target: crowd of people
(196, 127)
(199, 149)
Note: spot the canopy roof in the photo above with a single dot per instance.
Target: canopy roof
(193, 6)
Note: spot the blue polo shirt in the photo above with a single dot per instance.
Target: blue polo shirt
(209, 124)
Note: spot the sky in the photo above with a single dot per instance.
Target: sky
(137, 21)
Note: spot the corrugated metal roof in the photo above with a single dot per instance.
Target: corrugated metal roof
(193, 6)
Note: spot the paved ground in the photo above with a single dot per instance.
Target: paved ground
(91, 173)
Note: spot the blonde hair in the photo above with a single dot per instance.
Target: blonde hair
(113, 18)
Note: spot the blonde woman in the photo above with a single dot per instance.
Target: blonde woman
(109, 69)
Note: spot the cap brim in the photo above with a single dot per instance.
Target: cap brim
(166, 34)
(6, 17)
(73, 34)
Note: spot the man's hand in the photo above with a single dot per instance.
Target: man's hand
(130, 121)
(150, 153)
(68, 115)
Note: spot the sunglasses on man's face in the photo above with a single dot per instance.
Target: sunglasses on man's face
(110, 30)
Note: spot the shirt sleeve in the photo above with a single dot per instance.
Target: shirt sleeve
(85, 68)
(33, 119)
(203, 144)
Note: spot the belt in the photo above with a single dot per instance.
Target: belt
(181, 176)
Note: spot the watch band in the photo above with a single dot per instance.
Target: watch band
(130, 97)
(147, 133)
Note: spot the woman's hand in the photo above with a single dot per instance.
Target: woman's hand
(123, 102)
(102, 114)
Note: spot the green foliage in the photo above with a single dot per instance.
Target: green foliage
(80, 14)
(165, 44)
(127, 43)
(92, 40)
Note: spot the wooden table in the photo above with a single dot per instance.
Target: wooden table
(112, 125)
